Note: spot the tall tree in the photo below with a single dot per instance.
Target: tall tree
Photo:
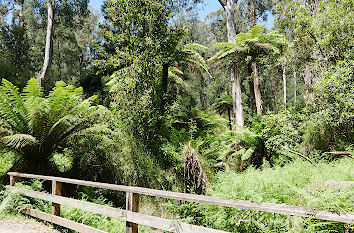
(48, 54)
(284, 83)
(238, 115)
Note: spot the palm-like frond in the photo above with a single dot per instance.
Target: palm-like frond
(249, 44)
(226, 49)
(194, 57)
(222, 104)
(63, 129)
(36, 126)
(32, 90)
(5, 132)
(19, 141)
(12, 109)
(175, 74)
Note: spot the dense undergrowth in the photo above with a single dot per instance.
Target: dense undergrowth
(326, 186)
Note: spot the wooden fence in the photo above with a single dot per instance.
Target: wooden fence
(133, 218)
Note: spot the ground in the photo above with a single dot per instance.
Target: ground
(21, 226)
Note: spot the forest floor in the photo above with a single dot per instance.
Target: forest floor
(20, 226)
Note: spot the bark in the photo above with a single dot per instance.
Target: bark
(238, 116)
(229, 115)
(49, 41)
(257, 89)
(21, 21)
(284, 84)
(275, 94)
(253, 12)
(252, 101)
(309, 78)
(236, 98)
(201, 94)
(295, 97)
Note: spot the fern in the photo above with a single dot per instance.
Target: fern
(36, 126)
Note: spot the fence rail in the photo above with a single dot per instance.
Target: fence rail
(133, 218)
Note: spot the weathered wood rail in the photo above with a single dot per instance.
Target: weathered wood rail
(133, 218)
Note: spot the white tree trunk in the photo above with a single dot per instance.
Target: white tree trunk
(284, 84)
(49, 41)
(238, 116)
(295, 86)
(257, 89)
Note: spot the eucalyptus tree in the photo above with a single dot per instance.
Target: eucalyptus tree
(61, 37)
(321, 32)
(238, 115)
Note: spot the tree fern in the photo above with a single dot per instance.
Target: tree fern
(36, 126)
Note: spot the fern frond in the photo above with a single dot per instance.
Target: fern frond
(194, 47)
(175, 74)
(19, 141)
(12, 109)
(32, 90)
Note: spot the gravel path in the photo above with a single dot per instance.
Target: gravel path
(17, 226)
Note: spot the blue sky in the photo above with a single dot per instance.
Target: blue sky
(204, 9)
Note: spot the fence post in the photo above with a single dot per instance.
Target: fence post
(132, 204)
(56, 190)
(13, 179)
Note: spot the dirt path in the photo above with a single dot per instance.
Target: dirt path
(21, 226)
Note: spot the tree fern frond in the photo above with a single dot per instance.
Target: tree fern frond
(32, 90)
(12, 109)
(175, 74)
(194, 47)
(5, 132)
(19, 141)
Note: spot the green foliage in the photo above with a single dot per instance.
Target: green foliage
(327, 186)
(279, 132)
(37, 127)
(249, 46)
(331, 125)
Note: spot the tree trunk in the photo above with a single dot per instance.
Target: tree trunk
(295, 86)
(309, 78)
(235, 75)
(201, 94)
(257, 89)
(275, 93)
(164, 84)
(229, 115)
(21, 21)
(284, 84)
(253, 12)
(252, 101)
(237, 98)
(49, 41)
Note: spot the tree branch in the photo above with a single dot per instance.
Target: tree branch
(303, 156)
(341, 153)
(222, 3)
